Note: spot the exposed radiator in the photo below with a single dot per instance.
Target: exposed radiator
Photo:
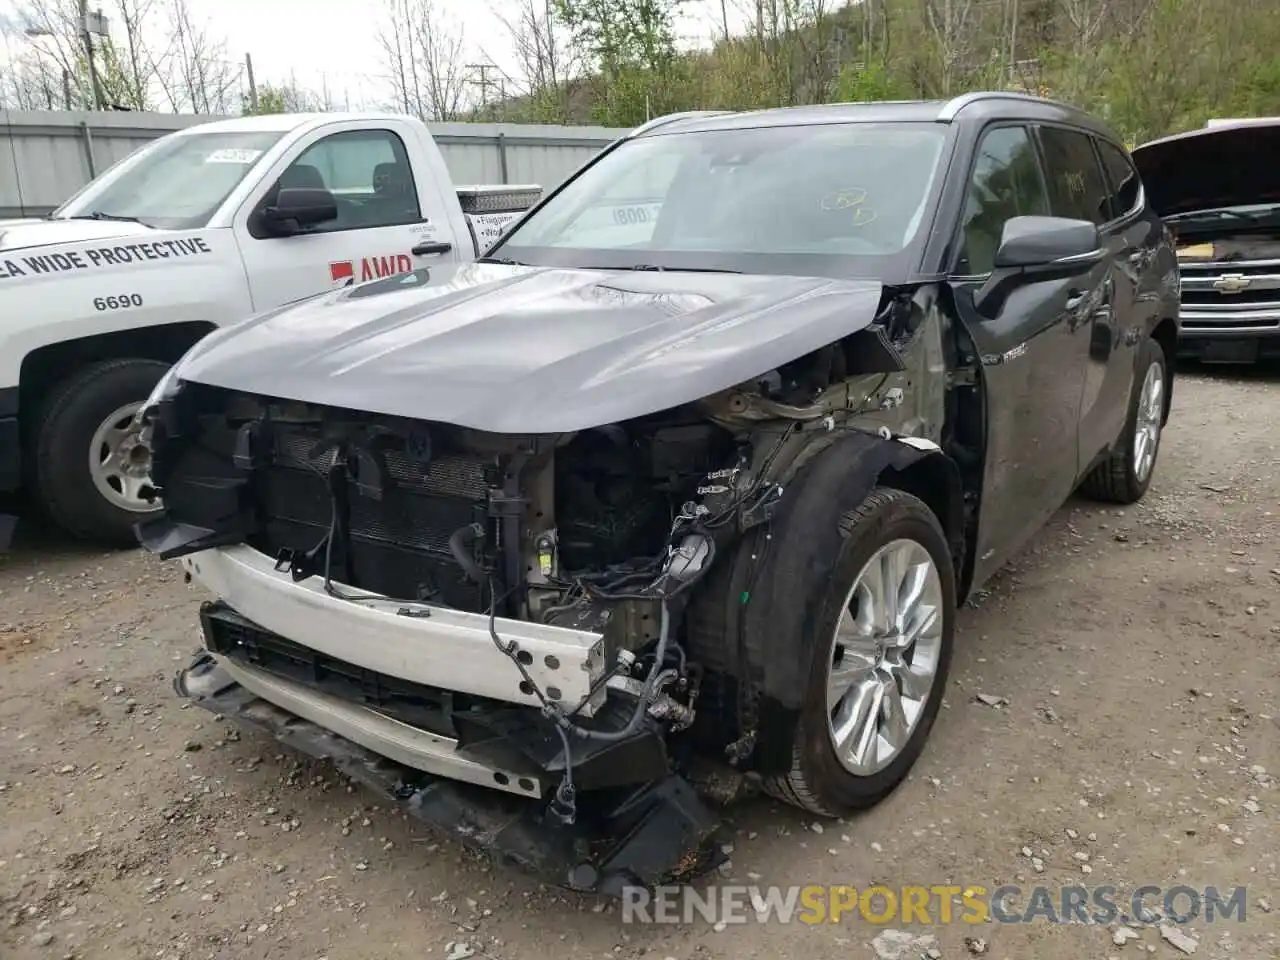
(400, 542)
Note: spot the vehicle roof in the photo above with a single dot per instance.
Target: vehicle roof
(979, 107)
(284, 122)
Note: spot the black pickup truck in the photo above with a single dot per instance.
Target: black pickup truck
(1219, 192)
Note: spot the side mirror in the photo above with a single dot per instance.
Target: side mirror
(1038, 248)
(1037, 244)
(297, 207)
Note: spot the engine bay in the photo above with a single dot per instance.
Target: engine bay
(603, 530)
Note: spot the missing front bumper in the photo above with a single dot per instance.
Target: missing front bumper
(656, 833)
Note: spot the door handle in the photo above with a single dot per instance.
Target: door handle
(1074, 300)
(430, 248)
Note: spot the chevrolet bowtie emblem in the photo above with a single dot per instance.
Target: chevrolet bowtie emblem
(1231, 283)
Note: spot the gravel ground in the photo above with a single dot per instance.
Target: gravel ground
(1132, 657)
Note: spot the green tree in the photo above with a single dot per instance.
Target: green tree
(632, 46)
(864, 82)
(282, 98)
(1151, 67)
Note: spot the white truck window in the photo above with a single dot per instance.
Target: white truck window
(176, 185)
(369, 174)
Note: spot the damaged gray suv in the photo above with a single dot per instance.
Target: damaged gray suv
(673, 495)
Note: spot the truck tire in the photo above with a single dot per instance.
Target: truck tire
(86, 472)
(1125, 476)
(883, 619)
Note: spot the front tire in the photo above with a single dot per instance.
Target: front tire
(878, 664)
(1125, 476)
(88, 471)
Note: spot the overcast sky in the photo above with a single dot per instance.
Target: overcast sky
(334, 42)
(332, 45)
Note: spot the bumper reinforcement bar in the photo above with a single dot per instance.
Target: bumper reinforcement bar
(420, 643)
(384, 735)
(655, 833)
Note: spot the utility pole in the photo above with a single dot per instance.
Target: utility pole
(1013, 44)
(253, 86)
(87, 30)
(484, 82)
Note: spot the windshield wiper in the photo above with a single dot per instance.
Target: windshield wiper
(1219, 215)
(659, 269)
(99, 215)
(505, 261)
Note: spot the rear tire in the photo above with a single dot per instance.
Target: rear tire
(1125, 476)
(79, 427)
(902, 693)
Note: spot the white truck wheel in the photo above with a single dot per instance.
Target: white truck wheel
(89, 472)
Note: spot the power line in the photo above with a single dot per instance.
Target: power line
(484, 83)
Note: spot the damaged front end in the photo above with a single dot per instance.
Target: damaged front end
(490, 627)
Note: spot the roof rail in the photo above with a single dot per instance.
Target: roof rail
(956, 104)
(1241, 122)
(671, 117)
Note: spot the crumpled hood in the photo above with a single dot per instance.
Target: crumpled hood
(1226, 166)
(527, 349)
(42, 233)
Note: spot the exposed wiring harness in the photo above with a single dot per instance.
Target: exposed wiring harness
(332, 532)
(657, 579)
(564, 803)
(647, 580)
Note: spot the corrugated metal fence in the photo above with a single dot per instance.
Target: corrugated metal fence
(45, 157)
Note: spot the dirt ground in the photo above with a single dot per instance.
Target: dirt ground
(1138, 649)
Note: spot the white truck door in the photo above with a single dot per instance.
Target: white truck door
(389, 220)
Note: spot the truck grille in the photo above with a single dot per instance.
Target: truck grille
(400, 542)
(1231, 296)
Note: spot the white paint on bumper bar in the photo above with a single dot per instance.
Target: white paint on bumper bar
(437, 647)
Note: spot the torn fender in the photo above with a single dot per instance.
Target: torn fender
(512, 349)
(755, 607)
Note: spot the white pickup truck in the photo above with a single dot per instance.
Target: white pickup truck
(196, 230)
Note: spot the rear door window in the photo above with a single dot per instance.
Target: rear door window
(1076, 187)
(1122, 178)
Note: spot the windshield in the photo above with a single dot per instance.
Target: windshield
(177, 184)
(823, 200)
